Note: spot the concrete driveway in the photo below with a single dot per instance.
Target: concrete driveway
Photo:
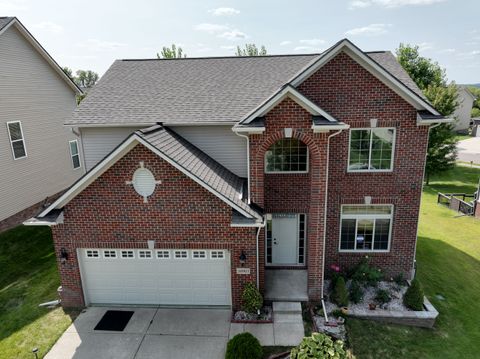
(150, 333)
(469, 150)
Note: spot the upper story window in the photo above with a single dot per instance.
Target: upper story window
(366, 228)
(74, 154)
(287, 155)
(17, 141)
(371, 149)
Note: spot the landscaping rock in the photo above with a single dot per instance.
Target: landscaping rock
(337, 332)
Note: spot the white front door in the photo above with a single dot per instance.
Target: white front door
(284, 239)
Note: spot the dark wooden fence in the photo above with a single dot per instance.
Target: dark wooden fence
(460, 202)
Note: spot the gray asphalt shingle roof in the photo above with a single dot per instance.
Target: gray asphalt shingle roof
(193, 90)
(4, 20)
(198, 164)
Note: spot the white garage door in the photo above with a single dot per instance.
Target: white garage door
(170, 277)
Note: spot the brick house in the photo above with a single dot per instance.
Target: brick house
(208, 173)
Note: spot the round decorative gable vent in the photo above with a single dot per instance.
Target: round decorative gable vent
(143, 182)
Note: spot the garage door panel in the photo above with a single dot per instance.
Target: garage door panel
(156, 280)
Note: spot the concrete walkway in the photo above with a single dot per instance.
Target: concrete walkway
(469, 150)
(286, 330)
(150, 333)
(286, 285)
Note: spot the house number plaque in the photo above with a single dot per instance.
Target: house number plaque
(243, 270)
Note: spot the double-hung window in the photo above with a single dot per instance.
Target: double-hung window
(366, 228)
(371, 149)
(74, 154)
(17, 141)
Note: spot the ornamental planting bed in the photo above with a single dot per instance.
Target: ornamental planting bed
(265, 316)
(393, 311)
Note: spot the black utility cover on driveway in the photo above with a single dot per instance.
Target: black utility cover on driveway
(115, 320)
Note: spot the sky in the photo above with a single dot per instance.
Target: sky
(90, 35)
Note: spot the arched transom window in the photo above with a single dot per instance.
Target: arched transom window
(287, 155)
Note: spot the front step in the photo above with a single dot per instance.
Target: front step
(287, 308)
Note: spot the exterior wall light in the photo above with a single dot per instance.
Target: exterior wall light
(63, 255)
(242, 258)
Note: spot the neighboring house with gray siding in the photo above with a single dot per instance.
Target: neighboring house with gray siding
(39, 157)
(463, 113)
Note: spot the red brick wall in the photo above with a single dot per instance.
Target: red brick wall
(353, 95)
(179, 214)
(292, 193)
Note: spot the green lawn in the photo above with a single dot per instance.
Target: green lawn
(462, 137)
(448, 257)
(28, 277)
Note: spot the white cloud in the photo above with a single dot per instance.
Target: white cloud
(370, 30)
(285, 43)
(233, 35)
(306, 49)
(9, 8)
(312, 42)
(48, 27)
(211, 28)
(446, 51)
(424, 46)
(360, 4)
(228, 47)
(100, 45)
(224, 11)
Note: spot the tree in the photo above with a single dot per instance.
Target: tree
(68, 71)
(432, 80)
(251, 50)
(171, 53)
(86, 79)
(476, 104)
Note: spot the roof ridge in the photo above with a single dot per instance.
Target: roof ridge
(222, 57)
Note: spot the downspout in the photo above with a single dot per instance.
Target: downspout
(248, 163)
(258, 270)
(423, 181)
(249, 201)
(325, 220)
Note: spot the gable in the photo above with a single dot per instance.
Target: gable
(110, 196)
(371, 66)
(17, 43)
(349, 92)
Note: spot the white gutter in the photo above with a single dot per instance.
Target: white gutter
(421, 192)
(325, 215)
(248, 162)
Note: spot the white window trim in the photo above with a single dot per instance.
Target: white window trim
(11, 142)
(285, 172)
(109, 250)
(144, 250)
(366, 216)
(370, 150)
(93, 250)
(78, 154)
(199, 258)
(163, 250)
(127, 250)
(217, 258)
(180, 250)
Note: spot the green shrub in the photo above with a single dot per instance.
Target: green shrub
(382, 296)
(319, 345)
(251, 298)
(244, 346)
(340, 294)
(356, 292)
(338, 313)
(413, 297)
(364, 273)
(399, 279)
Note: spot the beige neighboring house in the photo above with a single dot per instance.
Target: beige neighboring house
(464, 109)
(39, 157)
